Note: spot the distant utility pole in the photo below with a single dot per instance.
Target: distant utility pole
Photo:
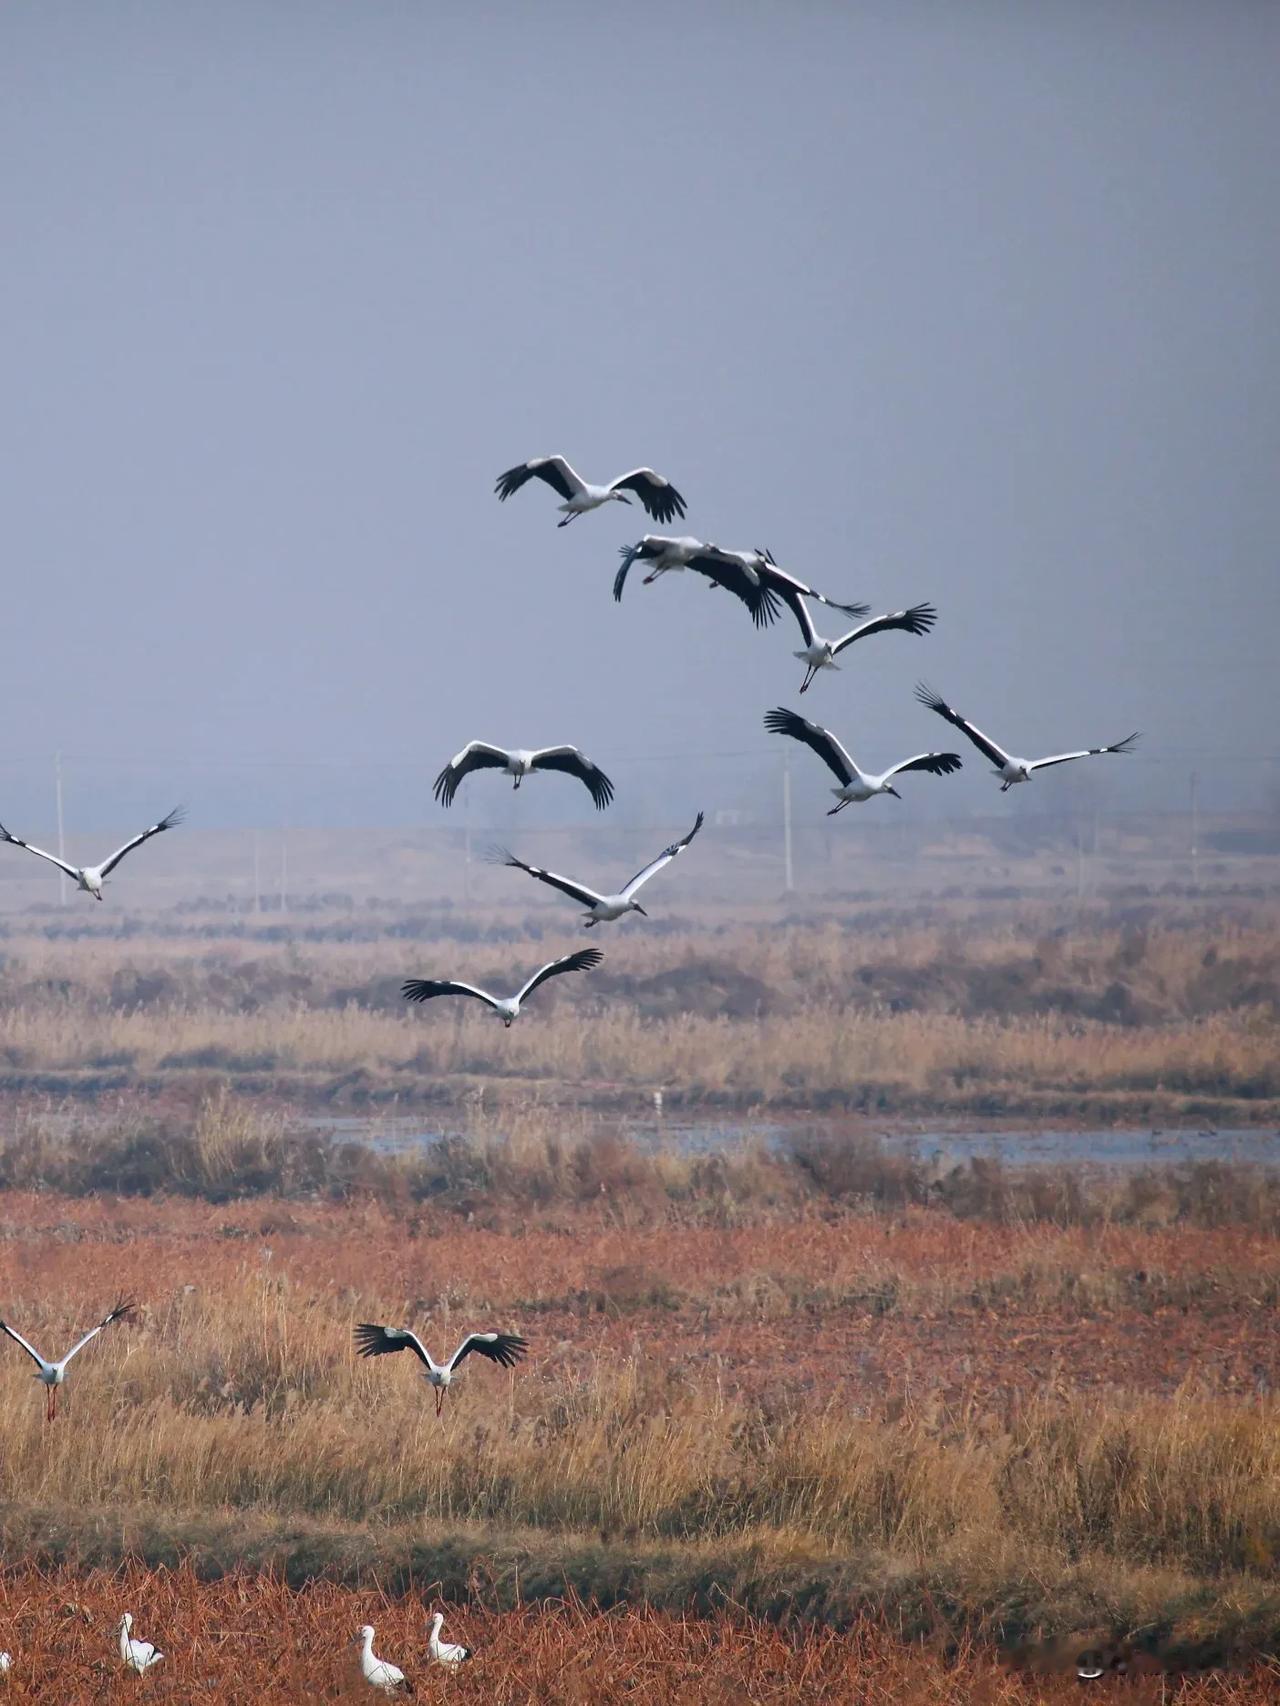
(257, 884)
(1195, 829)
(284, 873)
(788, 881)
(62, 852)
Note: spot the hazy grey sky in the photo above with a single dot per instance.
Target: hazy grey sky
(973, 303)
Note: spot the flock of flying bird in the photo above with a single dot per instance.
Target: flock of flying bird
(755, 579)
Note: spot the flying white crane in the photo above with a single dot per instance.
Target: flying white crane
(506, 1349)
(506, 1007)
(91, 877)
(752, 576)
(479, 755)
(727, 569)
(656, 493)
(855, 785)
(138, 1656)
(53, 1374)
(1009, 769)
(821, 654)
(603, 908)
(380, 1673)
(446, 1653)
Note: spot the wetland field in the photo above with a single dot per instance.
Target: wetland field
(848, 1378)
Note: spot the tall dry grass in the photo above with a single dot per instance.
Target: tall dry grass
(997, 1014)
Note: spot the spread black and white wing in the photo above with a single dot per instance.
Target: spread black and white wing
(15, 841)
(1125, 745)
(664, 858)
(174, 818)
(426, 989)
(506, 1349)
(553, 469)
(583, 960)
(659, 497)
(935, 763)
(575, 891)
(822, 741)
(476, 755)
(927, 696)
(373, 1341)
(917, 620)
(575, 763)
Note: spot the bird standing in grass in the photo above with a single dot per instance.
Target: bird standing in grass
(506, 1349)
(53, 1374)
(380, 1673)
(138, 1656)
(445, 1653)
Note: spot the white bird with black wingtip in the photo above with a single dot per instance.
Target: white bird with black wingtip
(507, 1007)
(54, 1374)
(520, 762)
(380, 1673)
(506, 1349)
(658, 496)
(448, 1654)
(856, 785)
(819, 653)
(138, 1656)
(1005, 765)
(602, 908)
(752, 576)
(90, 878)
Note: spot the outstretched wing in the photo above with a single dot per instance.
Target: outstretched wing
(664, 858)
(372, 1341)
(823, 742)
(39, 852)
(504, 1348)
(122, 1311)
(553, 469)
(936, 763)
(729, 569)
(575, 891)
(174, 818)
(780, 580)
(629, 554)
(576, 763)
(927, 696)
(917, 620)
(1125, 745)
(583, 960)
(425, 989)
(18, 1339)
(795, 603)
(656, 493)
(475, 755)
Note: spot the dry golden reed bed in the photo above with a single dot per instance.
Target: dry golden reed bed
(958, 1426)
(1010, 1009)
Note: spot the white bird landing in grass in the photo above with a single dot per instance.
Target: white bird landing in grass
(656, 493)
(138, 1656)
(53, 1374)
(602, 908)
(506, 1349)
(380, 1673)
(91, 877)
(519, 763)
(855, 785)
(1009, 769)
(446, 1653)
(821, 654)
(506, 1007)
